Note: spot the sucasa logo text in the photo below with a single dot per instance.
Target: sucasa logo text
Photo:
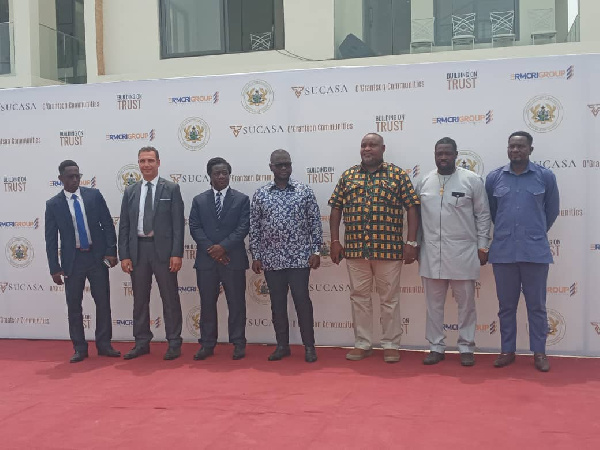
(128, 175)
(91, 182)
(543, 113)
(71, 137)
(132, 136)
(194, 133)
(19, 252)
(556, 163)
(256, 129)
(557, 327)
(389, 123)
(461, 80)
(562, 290)
(189, 99)
(566, 74)
(257, 96)
(320, 90)
(27, 106)
(594, 109)
(320, 174)
(474, 119)
(15, 184)
(20, 286)
(190, 251)
(189, 178)
(471, 161)
(71, 105)
(29, 140)
(35, 223)
(554, 247)
(129, 101)
(393, 86)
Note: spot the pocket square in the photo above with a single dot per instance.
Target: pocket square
(165, 199)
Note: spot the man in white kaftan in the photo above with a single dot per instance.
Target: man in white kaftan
(454, 240)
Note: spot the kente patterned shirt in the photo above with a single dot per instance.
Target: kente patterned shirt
(372, 206)
(285, 226)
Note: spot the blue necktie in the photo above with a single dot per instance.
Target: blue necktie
(84, 243)
(218, 206)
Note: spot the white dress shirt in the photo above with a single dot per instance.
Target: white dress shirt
(70, 201)
(140, 227)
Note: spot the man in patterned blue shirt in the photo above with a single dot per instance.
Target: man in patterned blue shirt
(285, 239)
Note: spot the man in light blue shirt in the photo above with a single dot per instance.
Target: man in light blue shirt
(524, 203)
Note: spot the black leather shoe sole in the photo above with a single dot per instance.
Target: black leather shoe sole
(136, 351)
(110, 352)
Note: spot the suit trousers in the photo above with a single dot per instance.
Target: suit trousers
(387, 282)
(141, 282)
(87, 266)
(296, 280)
(531, 278)
(435, 297)
(234, 285)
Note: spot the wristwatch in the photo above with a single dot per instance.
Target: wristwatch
(412, 243)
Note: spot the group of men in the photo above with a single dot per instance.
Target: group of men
(448, 213)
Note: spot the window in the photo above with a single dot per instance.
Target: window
(208, 27)
(5, 38)
(443, 10)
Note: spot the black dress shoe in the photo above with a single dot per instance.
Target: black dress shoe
(137, 351)
(310, 354)
(504, 359)
(239, 351)
(78, 356)
(433, 358)
(204, 353)
(280, 352)
(172, 353)
(467, 359)
(109, 351)
(541, 362)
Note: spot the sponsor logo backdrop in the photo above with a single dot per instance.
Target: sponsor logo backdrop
(320, 117)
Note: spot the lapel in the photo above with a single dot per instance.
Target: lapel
(63, 211)
(227, 201)
(159, 188)
(135, 203)
(211, 204)
(87, 200)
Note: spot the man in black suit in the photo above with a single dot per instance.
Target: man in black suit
(151, 242)
(219, 222)
(88, 245)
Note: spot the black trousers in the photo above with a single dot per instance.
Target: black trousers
(234, 284)
(296, 280)
(86, 266)
(141, 282)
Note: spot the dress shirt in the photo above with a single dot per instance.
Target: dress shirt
(372, 206)
(285, 226)
(454, 225)
(143, 193)
(223, 194)
(70, 200)
(523, 209)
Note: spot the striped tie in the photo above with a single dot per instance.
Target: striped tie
(218, 206)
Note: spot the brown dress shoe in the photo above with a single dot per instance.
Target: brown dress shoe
(391, 355)
(356, 354)
(433, 358)
(541, 362)
(504, 359)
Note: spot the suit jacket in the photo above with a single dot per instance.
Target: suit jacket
(168, 221)
(59, 220)
(229, 231)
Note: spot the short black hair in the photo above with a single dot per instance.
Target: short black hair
(447, 140)
(149, 149)
(524, 134)
(66, 163)
(280, 151)
(214, 161)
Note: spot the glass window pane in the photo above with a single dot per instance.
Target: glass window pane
(257, 19)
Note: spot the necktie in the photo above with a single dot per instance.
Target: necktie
(84, 243)
(148, 210)
(218, 206)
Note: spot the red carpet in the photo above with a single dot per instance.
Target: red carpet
(219, 403)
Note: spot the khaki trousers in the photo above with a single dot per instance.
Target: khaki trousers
(387, 281)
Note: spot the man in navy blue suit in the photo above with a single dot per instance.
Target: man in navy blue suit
(219, 222)
(88, 246)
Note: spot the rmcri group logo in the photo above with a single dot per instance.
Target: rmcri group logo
(128, 175)
(194, 134)
(19, 252)
(543, 113)
(257, 96)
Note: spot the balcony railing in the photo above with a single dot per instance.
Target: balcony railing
(7, 48)
(62, 57)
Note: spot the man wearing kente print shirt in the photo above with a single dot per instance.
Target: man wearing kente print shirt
(285, 239)
(370, 196)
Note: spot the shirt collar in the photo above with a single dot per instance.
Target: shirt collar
(530, 168)
(382, 166)
(154, 181)
(69, 195)
(223, 191)
(291, 185)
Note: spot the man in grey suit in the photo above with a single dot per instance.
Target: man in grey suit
(151, 232)
(219, 222)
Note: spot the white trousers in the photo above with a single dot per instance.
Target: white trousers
(387, 282)
(435, 295)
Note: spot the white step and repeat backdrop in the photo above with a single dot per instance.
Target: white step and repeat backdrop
(319, 116)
